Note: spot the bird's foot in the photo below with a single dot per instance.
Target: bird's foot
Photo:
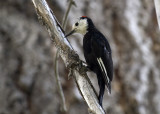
(84, 63)
(88, 68)
(83, 70)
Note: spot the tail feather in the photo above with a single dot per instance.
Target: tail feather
(102, 83)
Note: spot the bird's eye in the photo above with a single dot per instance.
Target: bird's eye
(76, 24)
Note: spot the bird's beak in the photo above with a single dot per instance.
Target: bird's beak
(70, 33)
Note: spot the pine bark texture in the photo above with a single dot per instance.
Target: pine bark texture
(27, 81)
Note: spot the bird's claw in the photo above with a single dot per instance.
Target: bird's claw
(83, 62)
(83, 70)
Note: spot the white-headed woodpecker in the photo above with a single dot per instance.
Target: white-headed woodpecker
(97, 53)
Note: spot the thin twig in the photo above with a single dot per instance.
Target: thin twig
(66, 14)
(64, 108)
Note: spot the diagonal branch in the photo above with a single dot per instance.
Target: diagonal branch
(69, 56)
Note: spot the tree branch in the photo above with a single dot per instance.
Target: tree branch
(66, 14)
(157, 8)
(68, 55)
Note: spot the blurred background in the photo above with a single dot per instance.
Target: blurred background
(27, 79)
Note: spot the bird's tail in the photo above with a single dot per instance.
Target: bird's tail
(101, 84)
(104, 80)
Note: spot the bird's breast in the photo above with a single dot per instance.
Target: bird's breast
(87, 45)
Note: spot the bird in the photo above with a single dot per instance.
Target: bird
(97, 53)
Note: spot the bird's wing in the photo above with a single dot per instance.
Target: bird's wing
(103, 57)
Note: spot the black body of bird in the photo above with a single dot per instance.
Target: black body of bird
(97, 53)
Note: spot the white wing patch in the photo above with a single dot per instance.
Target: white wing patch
(102, 67)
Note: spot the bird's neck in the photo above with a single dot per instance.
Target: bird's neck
(90, 30)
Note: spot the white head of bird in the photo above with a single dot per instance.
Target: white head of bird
(81, 26)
